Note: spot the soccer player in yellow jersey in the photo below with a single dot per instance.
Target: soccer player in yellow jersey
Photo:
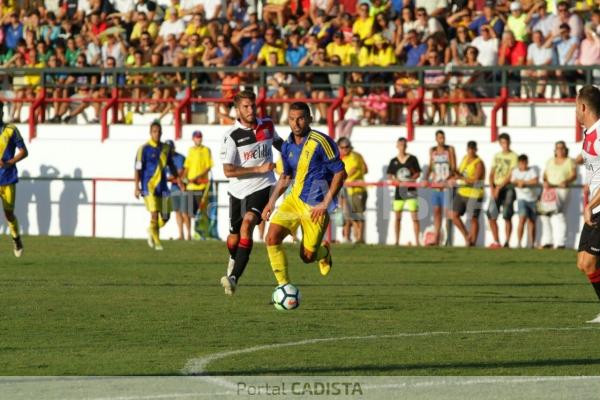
(198, 164)
(311, 159)
(355, 199)
(151, 181)
(12, 150)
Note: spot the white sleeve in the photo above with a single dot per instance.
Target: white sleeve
(228, 151)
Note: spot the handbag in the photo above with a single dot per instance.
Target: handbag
(549, 202)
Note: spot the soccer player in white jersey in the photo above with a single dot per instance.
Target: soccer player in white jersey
(247, 157)
(588, 115)
(442, 166)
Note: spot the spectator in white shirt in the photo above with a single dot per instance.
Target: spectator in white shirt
(171, 26)
(537, 55)
(525, 179)
(541, 20)
(426, 25)
(487, 44)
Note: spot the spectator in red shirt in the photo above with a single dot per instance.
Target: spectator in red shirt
(512, 52)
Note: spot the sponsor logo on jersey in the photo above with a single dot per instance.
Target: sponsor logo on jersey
(263, 151)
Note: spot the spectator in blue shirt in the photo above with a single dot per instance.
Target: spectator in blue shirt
(566, 49)
(13, 32)
(295, 53)
(252, 48)
(412, 49)
(489, 17)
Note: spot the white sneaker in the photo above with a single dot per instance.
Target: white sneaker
(230, 265)
(595, 320)
(150, 241)
(158, 247)
(229, 285)
(17, 247)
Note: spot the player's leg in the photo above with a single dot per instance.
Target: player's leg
(473, 210)
(8, 196)
(398, 205)
(155, 229)
(359, 205)
(508, 211)
(233, 239)
(312, 247)
(284, 221)
(587, 259)
(522, 221)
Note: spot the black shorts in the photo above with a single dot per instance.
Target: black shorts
(506, 199)
(589, 241)
(469, 205)
(254, 203)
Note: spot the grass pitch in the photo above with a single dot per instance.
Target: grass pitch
(75, 306)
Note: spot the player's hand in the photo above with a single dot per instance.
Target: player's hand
(138, 193)
(587, 216)
(266, 214)
(266, 167)
(318, 212)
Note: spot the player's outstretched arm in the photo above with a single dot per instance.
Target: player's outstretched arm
(136, 177)
(280, 188)
(235, 171)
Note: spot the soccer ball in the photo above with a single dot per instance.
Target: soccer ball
(286, 297)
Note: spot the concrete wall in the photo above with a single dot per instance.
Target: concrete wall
(75, 151)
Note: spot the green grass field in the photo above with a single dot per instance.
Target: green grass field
(114, 307)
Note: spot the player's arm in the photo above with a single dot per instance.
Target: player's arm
(431, 171)
(280, 188)
(235, 171)
(593, 202)
(136, 178)
(337, 182)
(20, 154)
(452, 161)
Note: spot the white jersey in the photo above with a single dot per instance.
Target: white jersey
(250, 147)
(441, 164)
(591, 158)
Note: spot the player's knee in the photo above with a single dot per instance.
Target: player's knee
(586, 264)
(9, 214)
(233, 240)
(248, 224)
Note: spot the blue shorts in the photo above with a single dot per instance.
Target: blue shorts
(527, 209)
(438, 198)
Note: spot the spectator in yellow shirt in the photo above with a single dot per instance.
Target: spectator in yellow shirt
(272, 45)
(363, 26)
(359, 54)
(195, 174)
(354, 198)
(382, 53)
(143, 25)
(339, 48)
(196, 26)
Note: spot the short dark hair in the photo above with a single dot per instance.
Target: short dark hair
(344, 141)
(590, 96)
(471, 144)
(523, 157)
(156, 123)
(402, 139)
(301, 106)
(440, 132)
(504, 136)
(244, 94)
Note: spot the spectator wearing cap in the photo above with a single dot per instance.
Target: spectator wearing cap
(514, 53)
(567, 52)
(517, 21)
(272, 44)
(411, 49)
(382, 53)
(487, 45)
(339, 48)
(354, 198)
(566, 17)
(489, 18)
(541, 19)
(537, 55)
(196, 169)
(363, 25)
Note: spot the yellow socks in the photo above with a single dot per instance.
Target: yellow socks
(279, 265)
(13, 228)
(154, 231)
(161, 221)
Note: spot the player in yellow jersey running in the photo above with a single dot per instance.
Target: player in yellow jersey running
(12, 150)
(311, 159)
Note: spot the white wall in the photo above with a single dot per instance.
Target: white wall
(62, 208)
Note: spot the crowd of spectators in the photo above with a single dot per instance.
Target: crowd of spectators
(298, 33)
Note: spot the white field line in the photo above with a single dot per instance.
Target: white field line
(197, 366)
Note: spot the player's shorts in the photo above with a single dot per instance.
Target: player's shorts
(355, 206)
(158, 204)
(292, 213)
(438, 198)
(506, 199)
(8, 195)
(527, 209)
(589, 241)
(411, 205)
(254, 203)
(470, 205)
(193, 199)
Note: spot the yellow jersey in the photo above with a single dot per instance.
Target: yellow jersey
(468, 169)
(268, 49)
(356, 169)
(342, 51)
(503, 165)
(363, 27)
(198, 159)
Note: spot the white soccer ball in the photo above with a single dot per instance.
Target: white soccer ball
(286, 297)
